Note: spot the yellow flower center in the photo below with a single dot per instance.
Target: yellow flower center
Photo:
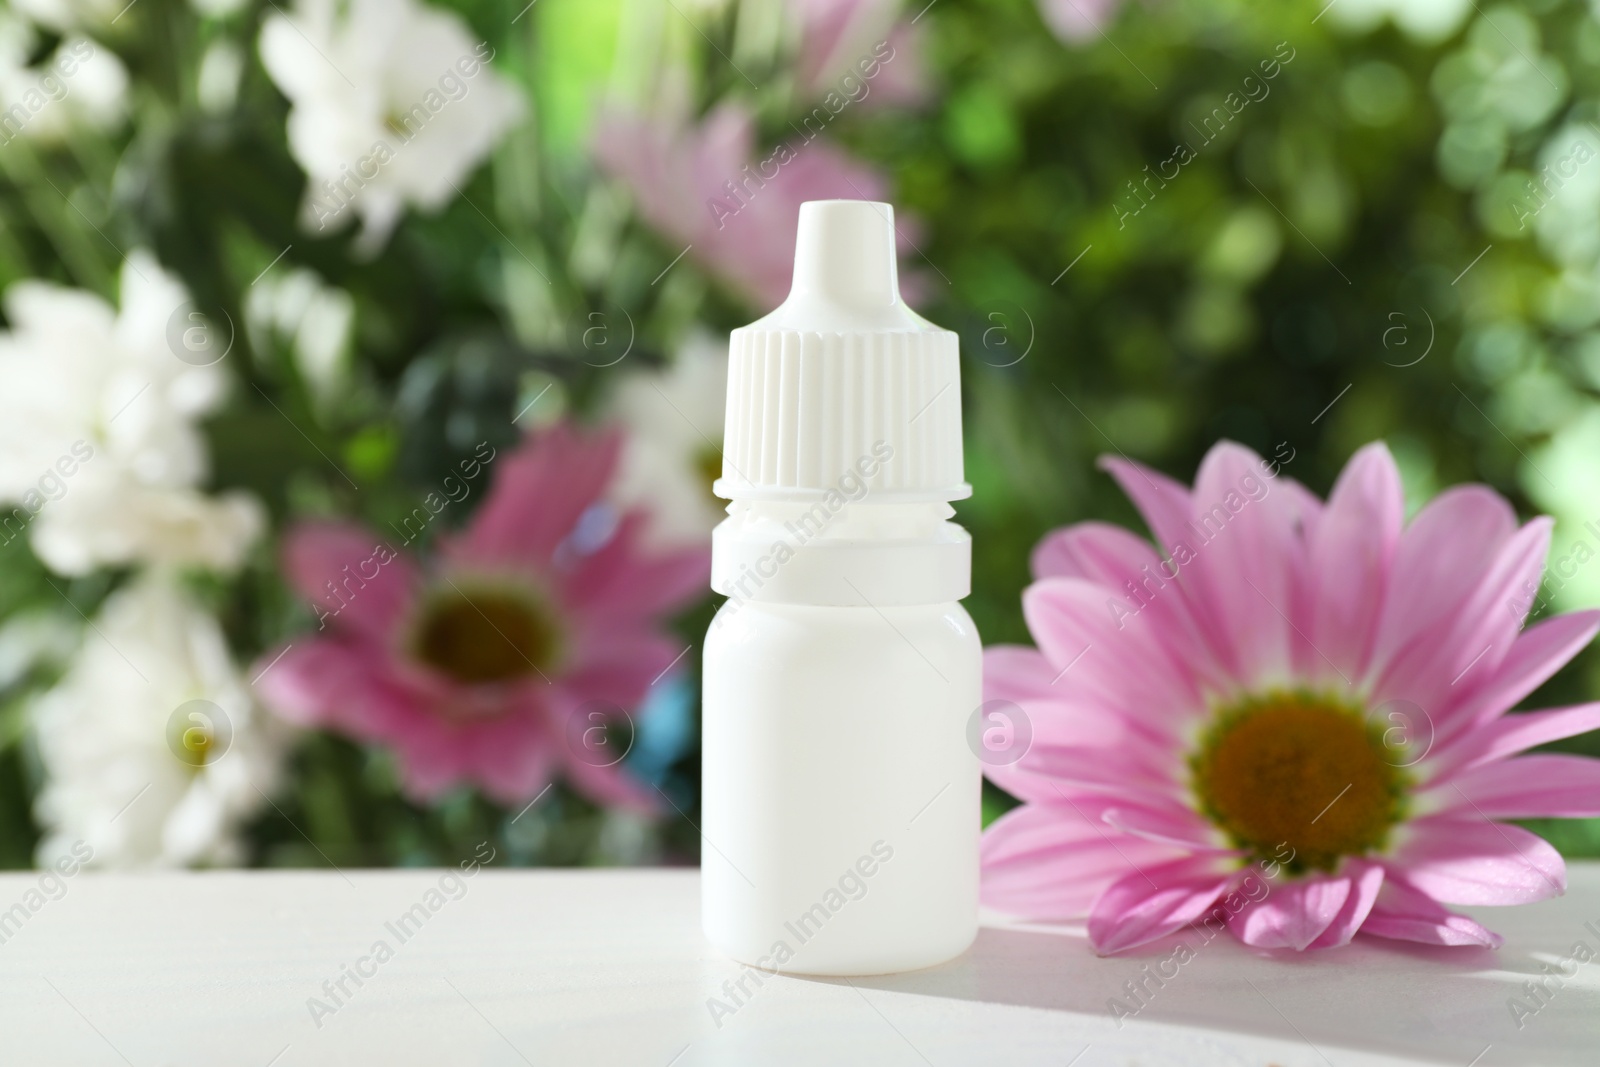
(194, 746)
(477, 634)
(1297, 770)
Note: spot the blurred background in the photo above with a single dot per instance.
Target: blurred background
(341, 333)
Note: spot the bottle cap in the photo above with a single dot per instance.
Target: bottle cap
(842, 373)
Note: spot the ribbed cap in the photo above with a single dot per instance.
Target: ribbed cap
(841, 374)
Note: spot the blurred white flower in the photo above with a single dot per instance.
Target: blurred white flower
(393, 103)
(33, 638)
(217, 80)
(152, 749)
(79, 84)
(313, 318)
(1428, 21)
(99, 453)
(674, 420)
(1077, 21)
(1560, 198)
(64, 15)
(216, 8)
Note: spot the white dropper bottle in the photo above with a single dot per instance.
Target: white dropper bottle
(840, 795)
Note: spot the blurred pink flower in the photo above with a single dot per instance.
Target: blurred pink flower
(1076, 21)
(1291, 721)
(847, 39)
(500, 662)
(703, 186)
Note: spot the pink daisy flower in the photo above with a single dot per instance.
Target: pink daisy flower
(1292, 720)
(704, 184)
(843, 39)
(507, 657)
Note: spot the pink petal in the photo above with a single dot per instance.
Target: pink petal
(1115, 771)
(332, 683)
(1154, 901)
(598, 772)
(1437, 667)
(1048, 861)
(1022, 676)
(677, 174)
(1459, 860)
(1096, 551)
(367, 594)
(538, 492)
(1527, 787)
(1293, 914)
(1440, 560)
(1367, 879)
(621, 581)
(1350, 555)
(1163, 502)
(1247, 566)
(1512, 734)
(1167, 824)
(618, 668)
(1113, 557)
(1023, 783)
(614, 787)
(511, 756)
(1536, 654)
(1405, 914)
(1075, 627)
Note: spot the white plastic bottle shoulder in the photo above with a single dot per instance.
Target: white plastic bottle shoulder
(840, 796)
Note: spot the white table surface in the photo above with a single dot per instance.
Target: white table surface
(608, 967)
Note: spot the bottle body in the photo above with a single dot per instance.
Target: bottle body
(840, 796)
